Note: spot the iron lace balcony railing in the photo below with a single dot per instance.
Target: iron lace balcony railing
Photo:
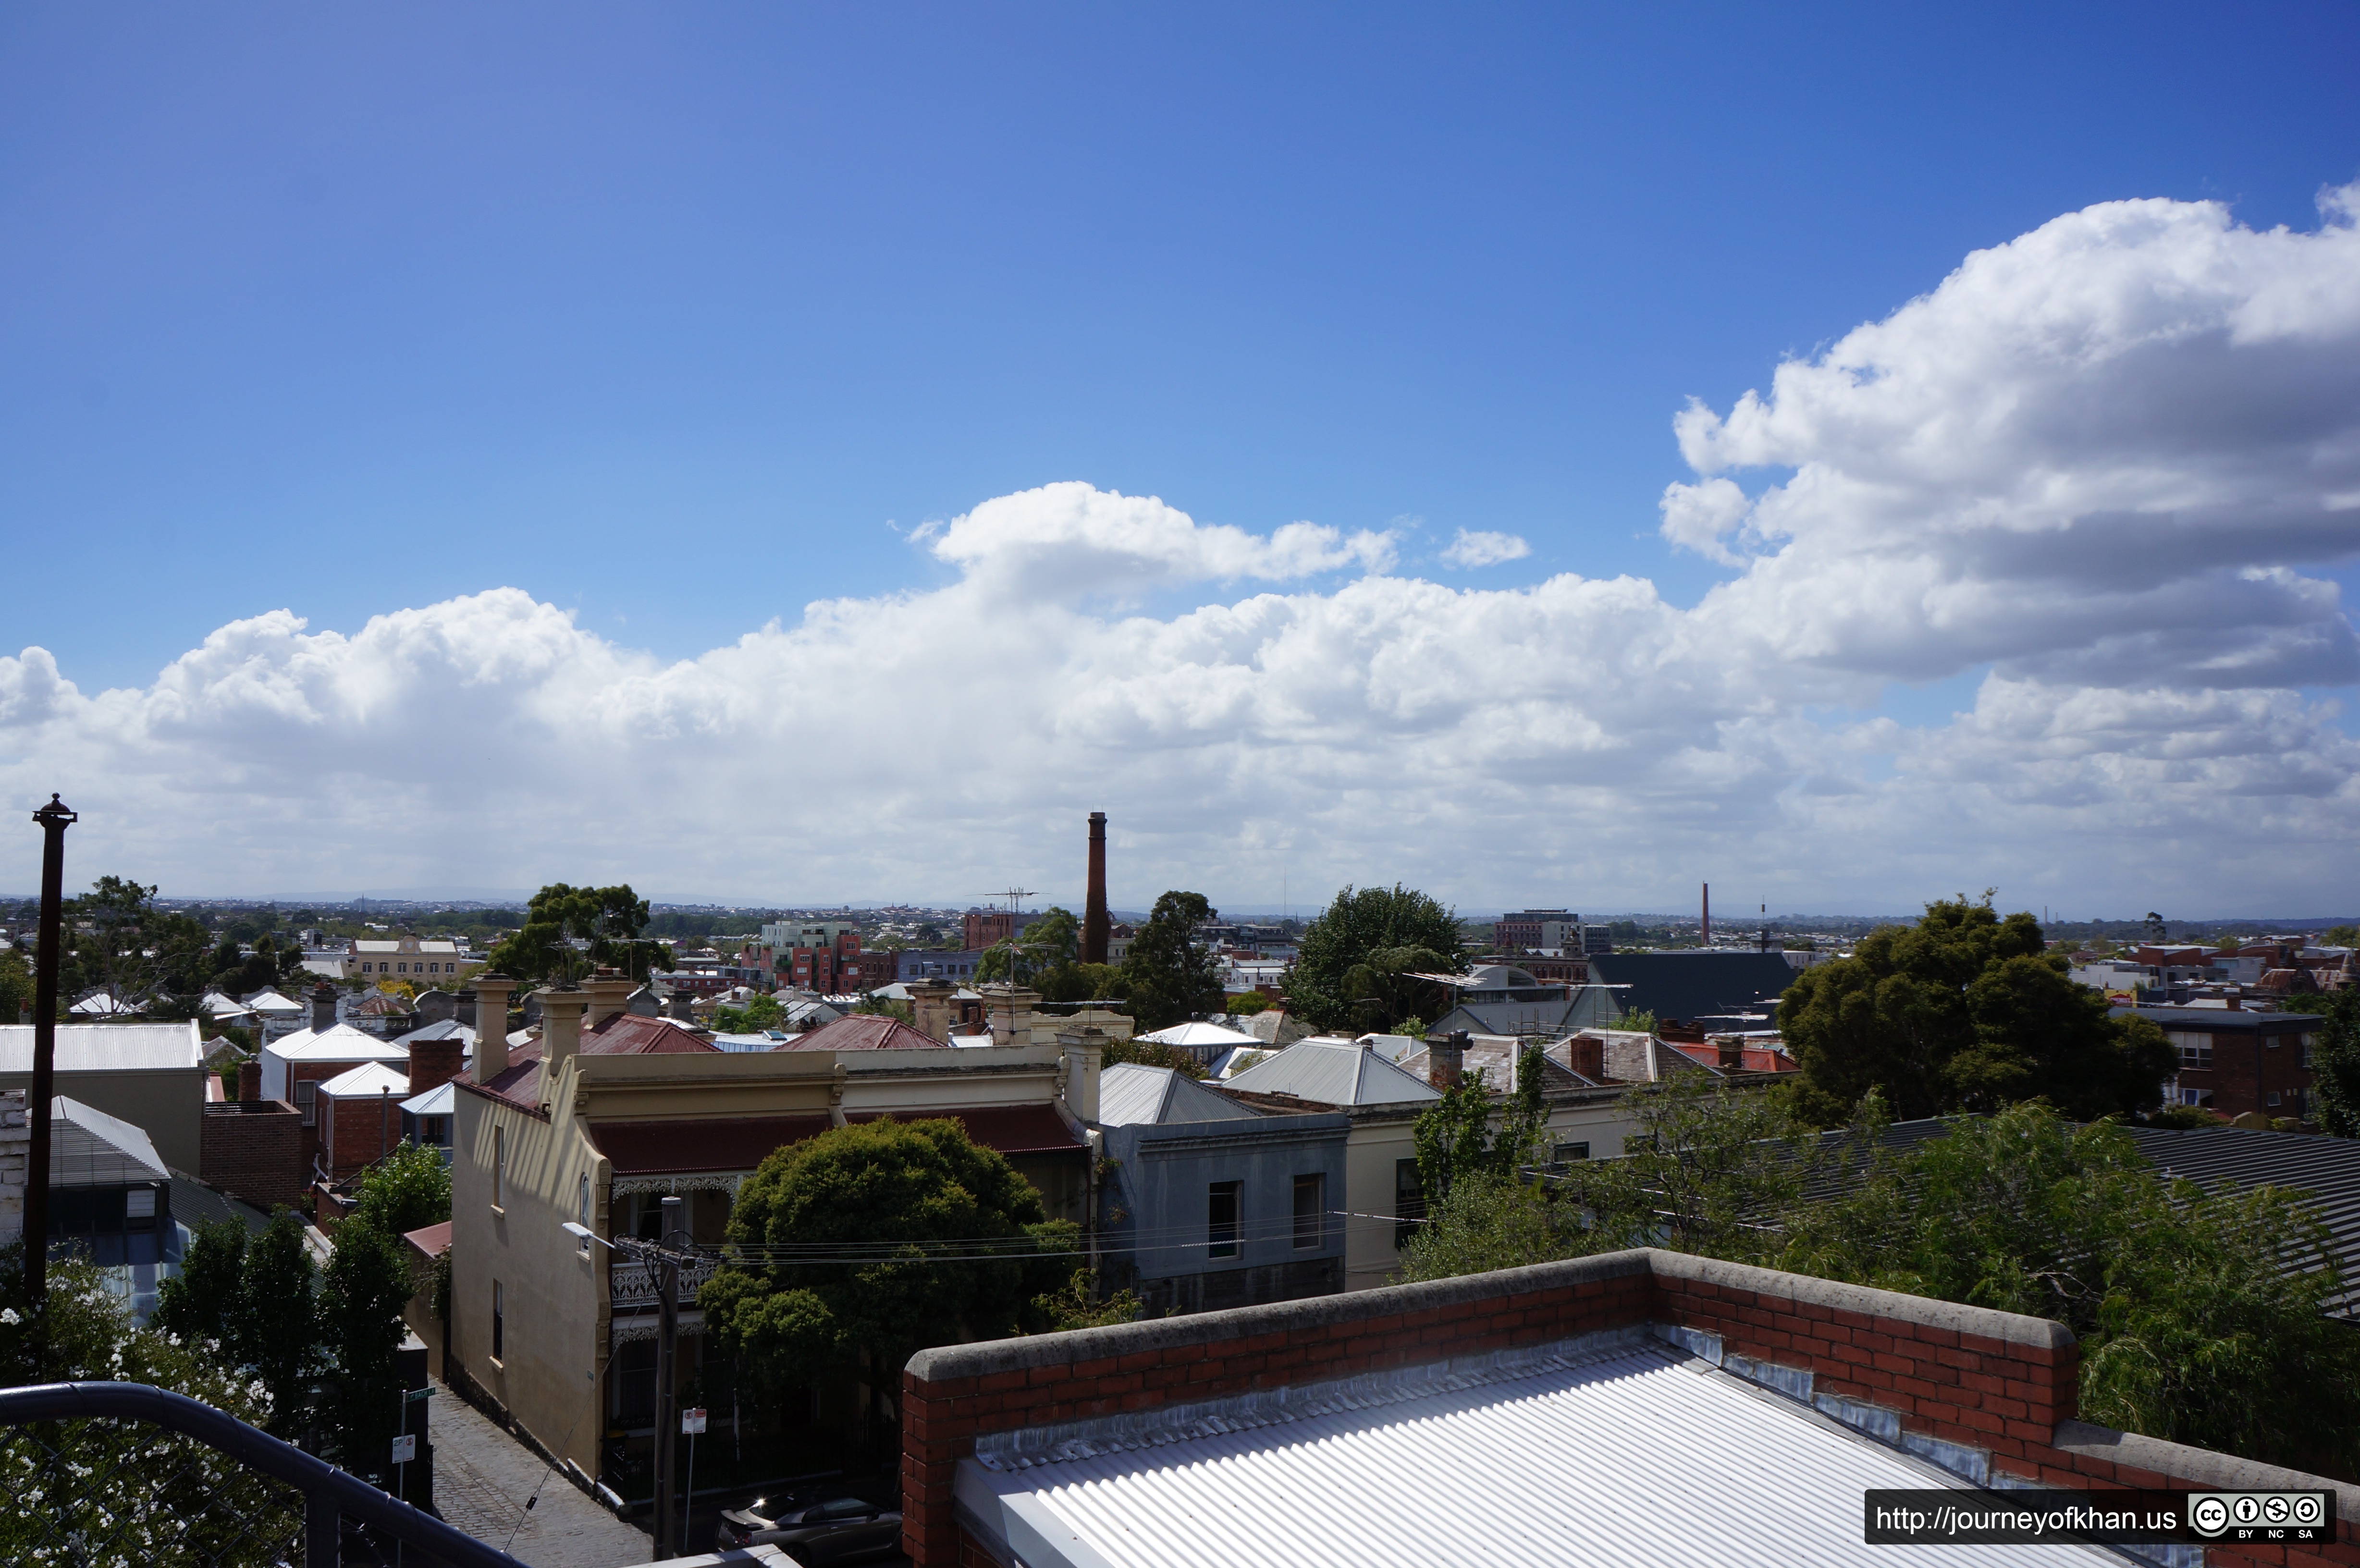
(631, 1286)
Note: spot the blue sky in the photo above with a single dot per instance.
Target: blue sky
(681, 318)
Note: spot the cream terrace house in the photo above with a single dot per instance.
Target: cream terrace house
(606, 1114)
(425, 961)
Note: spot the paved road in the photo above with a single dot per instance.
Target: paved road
(482, 1477)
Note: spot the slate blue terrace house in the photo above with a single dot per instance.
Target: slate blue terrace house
(1211, 1204)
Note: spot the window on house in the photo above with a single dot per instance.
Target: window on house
(2277, 1041)
(499, 1319)
(2274, 1097)
(1567, 1153)
(307, 1100)
(1310, 1210)
(1409, 1201)
(2195, 1049)
(582, 1215)
(499, 1168)
(1221, 1220)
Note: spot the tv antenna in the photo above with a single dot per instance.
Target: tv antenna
(1016, 897)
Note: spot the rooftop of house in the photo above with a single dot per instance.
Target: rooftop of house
(1200, 1035)
(635, 1034)
(1693, 984)
(90, 1149)
(1131, 1094)
(450, 1029)
(107, 1048)
(370, 1079)
(1333, 1072)
(337, 1042)
(863, 1032)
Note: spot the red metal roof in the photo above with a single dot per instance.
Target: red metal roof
(863, 1032)
(740, 1143)
(432, 1241)
(630, 1034)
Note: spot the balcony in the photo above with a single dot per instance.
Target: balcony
(631, 1287)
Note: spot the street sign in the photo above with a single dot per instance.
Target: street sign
(405, 1448)
(415, 1395)
(692, 1421)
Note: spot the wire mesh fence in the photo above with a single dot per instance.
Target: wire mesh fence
(103, 1492)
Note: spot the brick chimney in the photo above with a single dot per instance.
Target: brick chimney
(249, 1080)
(1096, 922)
(323, 1008)
(1586, 1054)
(492, 1025)
(1733, 1055)
(934, 1006)
(435, 1062)
(610, 993)
(1446, 1059)
(562, 1008)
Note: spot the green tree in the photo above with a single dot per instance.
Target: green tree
(610, 919)
(1051, 941)
(199, 1304)
(1152, 1053)
(759, 1014)
(2193, 1327)
(408, 1190)
(1167, 978)
(275, 1327)
(2335, 1064)
(952, 1246)
(1363, 923)
(366, 1283)
(1963, 1012)
(126, 1492)
(16, 984)
(1453, 1141)
(119, 943)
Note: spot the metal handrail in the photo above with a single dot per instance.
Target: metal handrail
(328, 1492)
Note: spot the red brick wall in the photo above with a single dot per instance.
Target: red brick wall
(253, 1150)
(351, 1139)
(1988, 1380)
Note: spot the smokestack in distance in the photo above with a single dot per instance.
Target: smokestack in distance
(1708, 914)
(1096, 925)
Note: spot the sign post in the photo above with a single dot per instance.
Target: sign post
(691, 1421)
(405, 1449)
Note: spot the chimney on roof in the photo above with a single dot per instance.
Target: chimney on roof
(435, 1062)
(1096, 922)
(492, 1025)
(1446, 1059)
(562, 1008)
(323, 1008)
(1732, 1054)
(610, 993)
(249, 1080)
(1586, 1054)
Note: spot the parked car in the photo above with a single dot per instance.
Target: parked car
(836, 1531)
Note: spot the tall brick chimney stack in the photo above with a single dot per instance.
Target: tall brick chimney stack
(1096, 923)
(249, 1080)
(1446, 1059)
(323, 1008)
(435, 1062)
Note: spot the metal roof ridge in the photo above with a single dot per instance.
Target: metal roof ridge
(1028, 1447)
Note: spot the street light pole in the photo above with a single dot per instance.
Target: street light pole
(54, 819)
(665, 1256)
(667, 1398)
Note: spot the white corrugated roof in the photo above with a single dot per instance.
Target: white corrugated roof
(272, 1004)
(90, 1149)
(1636, 1454)
(104, 1048)
(1335, 1073)
(440, 1101)
(1131, 1094)
(366, 1081)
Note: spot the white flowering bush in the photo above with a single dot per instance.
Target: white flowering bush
(93, 1494)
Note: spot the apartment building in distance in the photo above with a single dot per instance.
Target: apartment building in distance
(1528, 930)
(429, 961)
(2235, 1059)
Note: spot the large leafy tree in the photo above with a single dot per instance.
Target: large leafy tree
(1453, 1139)
(1168, 978)
(1359, 949)
(856, 1248)
(1963, 1012)
(121, 944)
(610, 918)
(2335, 1064)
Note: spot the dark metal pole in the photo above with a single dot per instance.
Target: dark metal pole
(54, 819)
(667, 1361)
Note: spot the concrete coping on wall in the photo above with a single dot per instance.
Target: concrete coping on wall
(2200, 1467)
(946, 1363)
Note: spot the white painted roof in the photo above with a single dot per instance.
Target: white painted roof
(1200, 1035)
(440, 1101)
(367, 1081)
(1335, 1073)
(1638, 1454)
(1129, 1093)
(98, 1005)
(102, 1047)
(272, 1004)
(338, 1042)
(219, 1005)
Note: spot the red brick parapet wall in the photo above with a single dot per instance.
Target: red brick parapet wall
(1998, 1382)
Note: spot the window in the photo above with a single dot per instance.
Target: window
(582, 1215)
(307, 1100)
(1409, 1201)
(2277, 1041)
(499, 1319)
(139, 1209)
(499, 1168)
(1221, 1220)
(401, 968)
(1310, 1210)
(2195, 1049)
(1567, 1153)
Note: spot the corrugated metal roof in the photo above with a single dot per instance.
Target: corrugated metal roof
(368, 1080)
(1636, 1455)
(1199, 1034)
(104, 1048)
(1334, 1072)
(1131, 1094)
(90, 1149)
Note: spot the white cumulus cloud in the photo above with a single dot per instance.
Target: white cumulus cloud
(1480, 548)
(2103, 463)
